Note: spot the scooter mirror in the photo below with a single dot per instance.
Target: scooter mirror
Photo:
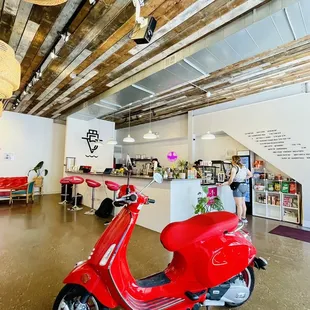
(158, 178)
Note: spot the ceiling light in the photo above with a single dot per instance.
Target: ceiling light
(72, 75)
(208, 136)
(129, 139)
(112, 142)
(150, 135)
(209, 94)
(53, 54)
(65, 36)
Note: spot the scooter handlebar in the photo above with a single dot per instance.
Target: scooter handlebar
(151, 200)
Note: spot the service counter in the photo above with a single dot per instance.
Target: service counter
(175, 199)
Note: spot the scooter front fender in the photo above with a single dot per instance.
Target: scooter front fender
(87, 277)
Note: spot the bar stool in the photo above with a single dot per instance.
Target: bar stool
(75, 180)
(65, 181)
(92, 184)
(114, 187)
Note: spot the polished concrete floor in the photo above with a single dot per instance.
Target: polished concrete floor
(40, 244)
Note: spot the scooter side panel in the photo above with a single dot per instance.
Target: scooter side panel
(87, 277)
(220, 259)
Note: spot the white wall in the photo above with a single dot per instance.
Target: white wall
(32, 139)
(289, 115)
(78, 148)
(172, 137)
(220, 148)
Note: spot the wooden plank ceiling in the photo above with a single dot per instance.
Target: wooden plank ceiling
(99, 54)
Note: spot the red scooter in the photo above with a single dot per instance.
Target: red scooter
(212, 264)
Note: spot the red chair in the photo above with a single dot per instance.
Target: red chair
(92, 184)
(75, 180)
(65, 181)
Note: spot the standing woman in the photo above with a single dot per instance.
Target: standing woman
(237, 182)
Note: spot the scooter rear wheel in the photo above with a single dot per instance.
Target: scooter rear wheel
(69, 299)
(249, 278)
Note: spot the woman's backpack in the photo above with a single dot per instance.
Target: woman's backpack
(105, 209)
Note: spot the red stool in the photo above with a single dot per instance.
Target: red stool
(114, 187)
(75, 180)
(92, 184)
(65, 181)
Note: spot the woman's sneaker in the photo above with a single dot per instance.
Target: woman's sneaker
(245, 221)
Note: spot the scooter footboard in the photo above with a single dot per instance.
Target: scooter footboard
(87, 277)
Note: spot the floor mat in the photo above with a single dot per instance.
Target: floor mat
(294, 233)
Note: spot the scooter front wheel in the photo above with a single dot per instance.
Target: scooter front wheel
(75, 297)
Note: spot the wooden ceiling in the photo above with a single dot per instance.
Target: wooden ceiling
(100, 54)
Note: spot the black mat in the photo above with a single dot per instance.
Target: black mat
(293, 233)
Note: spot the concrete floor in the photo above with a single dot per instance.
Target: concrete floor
(40, 244)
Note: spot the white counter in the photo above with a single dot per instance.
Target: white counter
(175, 199)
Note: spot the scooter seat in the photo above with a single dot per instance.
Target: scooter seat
(200, 227)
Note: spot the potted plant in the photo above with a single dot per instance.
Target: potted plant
(182, 165)
(208, 204)
(38, 169)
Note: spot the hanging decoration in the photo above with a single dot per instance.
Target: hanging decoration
(9, 71)
(112, 141)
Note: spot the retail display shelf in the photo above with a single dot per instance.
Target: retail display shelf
(260, 203)
(291, 208)
(270, 205)
(289, 194)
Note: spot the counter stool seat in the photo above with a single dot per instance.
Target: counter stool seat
(75, 180)
(65, 181)
(114, 187)
(92, 184)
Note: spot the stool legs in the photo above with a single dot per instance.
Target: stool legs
(75, 207)
(92, 210)
(64, 202)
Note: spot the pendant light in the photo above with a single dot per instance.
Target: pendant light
(46, 2)
(129, 138)
(208, 136)
(150, 135)
(9, 71)
(112, 141)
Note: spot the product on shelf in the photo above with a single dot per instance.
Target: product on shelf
(277, 187)
(258, 164)
(293, 188)
(270, 187)
(285, 187)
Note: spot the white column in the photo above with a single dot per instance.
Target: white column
(191, 138)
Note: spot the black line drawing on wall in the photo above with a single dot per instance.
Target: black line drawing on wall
(280, 144)
(92, 137)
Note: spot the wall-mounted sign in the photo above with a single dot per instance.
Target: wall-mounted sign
(92, 138)
(172, 156)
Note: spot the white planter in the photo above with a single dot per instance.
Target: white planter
(182, 175)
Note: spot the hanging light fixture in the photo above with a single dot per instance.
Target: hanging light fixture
(150, 135)
(208, 136)
(112, 141)
(129, 138)
(46, 2)
(9, 71)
